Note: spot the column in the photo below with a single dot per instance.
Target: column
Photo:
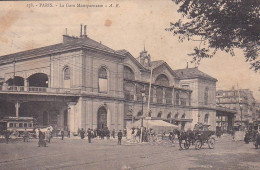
(164, 97)
(17, 106)
(49, 81)
(26, 84)
(72, 117)
(135, 90)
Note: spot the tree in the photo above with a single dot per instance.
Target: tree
(220, 25)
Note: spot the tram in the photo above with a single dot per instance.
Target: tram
(17, 125)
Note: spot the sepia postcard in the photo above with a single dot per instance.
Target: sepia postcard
(129, 84)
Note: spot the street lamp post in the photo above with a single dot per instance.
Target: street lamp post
(241, 109)
(142, 119)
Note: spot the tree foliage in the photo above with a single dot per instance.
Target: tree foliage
(220, 25)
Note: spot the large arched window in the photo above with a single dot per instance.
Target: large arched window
(162, 80)
(66, 77)
(128, 73)
(102, 80)
(139, 114)
(206, 96)
(206, 119)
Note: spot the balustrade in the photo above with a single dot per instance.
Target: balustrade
(29, 89)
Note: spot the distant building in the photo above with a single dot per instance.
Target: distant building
(242, 101)
(81, 83)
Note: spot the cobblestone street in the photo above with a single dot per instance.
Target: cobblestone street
(106, 154)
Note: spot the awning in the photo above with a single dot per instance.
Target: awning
(154, 124)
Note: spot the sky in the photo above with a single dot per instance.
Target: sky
(131, 26)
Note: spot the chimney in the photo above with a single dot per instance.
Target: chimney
(80, 30)
(85, 31)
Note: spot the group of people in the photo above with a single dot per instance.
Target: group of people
(141, 135)
(101, 133)
(44, 136)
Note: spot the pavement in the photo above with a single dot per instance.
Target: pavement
(74, 153)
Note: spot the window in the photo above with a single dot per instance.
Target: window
(29, 125)
(159, 115)
(66, 73)
(11, 125)
(159, 95)
(206, 96)
(66, 77)
(176, 116)
(25, 125)
(177, 98)
(168, 96)
(183, 99)
(206, 119)
(129, 90)
(169, 116)
(20, 125)
(102, 80)
(139, 114)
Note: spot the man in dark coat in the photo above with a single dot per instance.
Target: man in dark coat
(62, 134)
(120, 135)
(25, 135)
(82, 133)
(113, 133)
(6, 136)
(41, 139)
(89, 135)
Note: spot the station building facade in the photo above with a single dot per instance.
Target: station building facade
(81, 83)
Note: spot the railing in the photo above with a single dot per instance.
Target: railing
(38, 90)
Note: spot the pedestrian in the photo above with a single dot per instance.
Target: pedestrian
(48, 135)
(68, 133)
(62, 134)
(25, 135)
(119, 135)
(108, 134)
(6, 136)
(138, 134)
(89, 135)
(41, 141)
(113, 133)
(82, 133)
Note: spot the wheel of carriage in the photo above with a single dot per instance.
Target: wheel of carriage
(185, 144)
(211, 143)
(198, 144)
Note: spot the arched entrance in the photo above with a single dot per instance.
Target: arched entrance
(38, 80)
(102, 118)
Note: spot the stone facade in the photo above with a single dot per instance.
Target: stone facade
(83, 84)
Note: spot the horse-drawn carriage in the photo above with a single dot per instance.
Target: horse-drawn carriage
(199, 136)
